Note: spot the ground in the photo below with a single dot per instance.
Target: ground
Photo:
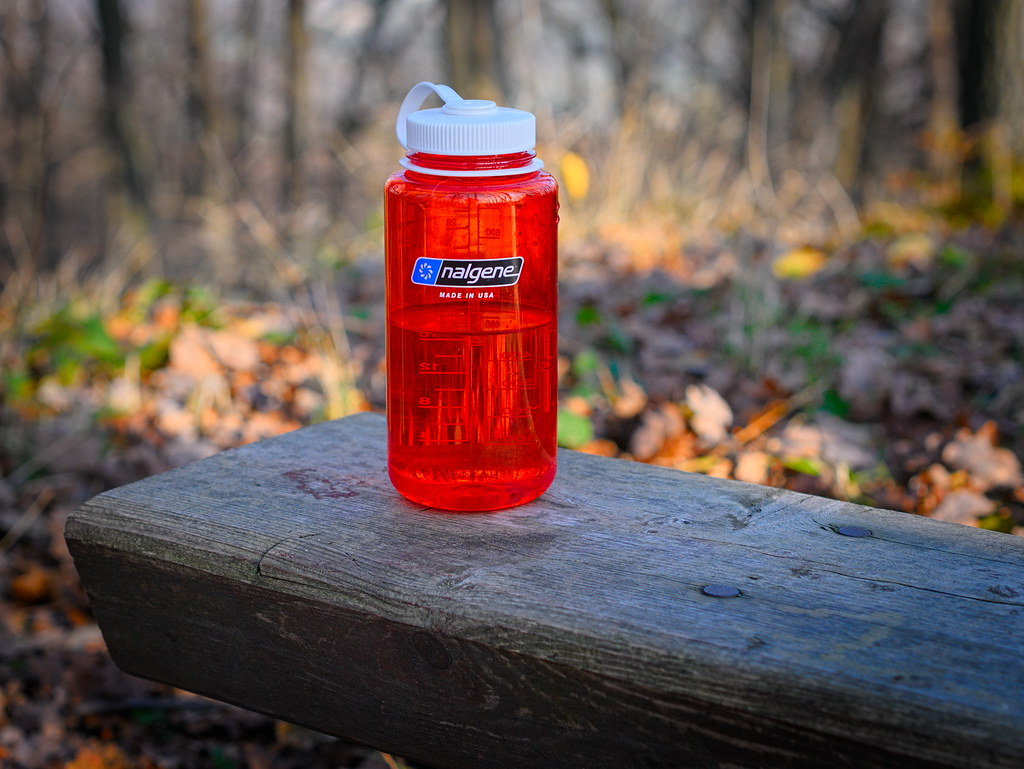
(888, 370)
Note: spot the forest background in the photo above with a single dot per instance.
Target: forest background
(791, 253)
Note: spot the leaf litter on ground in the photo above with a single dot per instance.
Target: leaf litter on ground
(887, 372)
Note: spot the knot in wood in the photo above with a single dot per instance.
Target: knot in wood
(431, 650)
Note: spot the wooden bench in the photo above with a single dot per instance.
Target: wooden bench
(633, 617)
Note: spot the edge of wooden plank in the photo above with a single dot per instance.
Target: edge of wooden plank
(442, 700)
(743, 515)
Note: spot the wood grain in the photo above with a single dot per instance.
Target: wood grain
(288, 577)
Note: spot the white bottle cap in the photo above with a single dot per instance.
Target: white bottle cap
(464, 127)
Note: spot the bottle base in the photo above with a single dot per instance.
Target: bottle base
(471, 497)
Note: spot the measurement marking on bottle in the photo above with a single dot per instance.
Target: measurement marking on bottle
(427, 402)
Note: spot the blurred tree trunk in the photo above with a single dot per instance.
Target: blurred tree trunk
(116, 96)
(976, 58)
(990, 46)
(633, 29)
(27, 165)
(200, 102)
(1006, 145)
(296, 102)
(6, 153)
(1009, 76)
(943, 118)
(43, 119)
(472, 42)
(353, 116)
(248, 24)
(859, 82)
(762, 24)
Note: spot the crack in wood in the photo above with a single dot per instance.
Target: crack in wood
(879, 581)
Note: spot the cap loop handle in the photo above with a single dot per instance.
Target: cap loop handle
(414, 100)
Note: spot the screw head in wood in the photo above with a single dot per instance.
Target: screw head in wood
(854, 531)
(721, 591)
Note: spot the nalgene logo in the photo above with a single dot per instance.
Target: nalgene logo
(467, 272)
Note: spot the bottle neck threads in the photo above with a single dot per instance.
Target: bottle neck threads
(511, 164)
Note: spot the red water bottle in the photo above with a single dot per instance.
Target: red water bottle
(472, 293)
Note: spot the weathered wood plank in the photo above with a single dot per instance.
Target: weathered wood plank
(288, 577)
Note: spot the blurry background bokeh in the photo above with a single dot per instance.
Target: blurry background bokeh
(204, 140)
(792, 253)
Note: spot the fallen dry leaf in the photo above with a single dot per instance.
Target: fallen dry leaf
(865, 378)
(98, 755)
(989, 467)
(710, 415)
(306, 401)
(799, 263)
(721, 469)
(575, 175)
(938, 476)
(752, 467)
(963, 506)
(912, 393)
(600, 447)
(915, 249)
(829, 438)
(574, 404)
(631, 400)
(174, 420)
(190, 354)
(32, 586)
(657, 426)
(234, 350)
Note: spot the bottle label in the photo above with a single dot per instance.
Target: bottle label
(467, 272)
